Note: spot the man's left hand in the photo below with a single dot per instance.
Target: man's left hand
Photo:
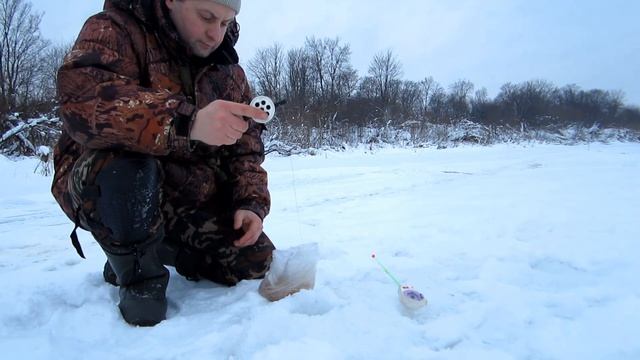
(251, 224)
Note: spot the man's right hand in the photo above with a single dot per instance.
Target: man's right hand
(221, 122)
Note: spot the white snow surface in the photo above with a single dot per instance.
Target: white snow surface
(524, 252)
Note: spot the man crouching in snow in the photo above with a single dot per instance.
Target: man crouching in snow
(159, 159)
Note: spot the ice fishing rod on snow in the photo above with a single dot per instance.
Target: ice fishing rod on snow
(409, 297)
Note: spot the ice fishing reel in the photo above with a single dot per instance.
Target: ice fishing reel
(267, 105)
(409, 297)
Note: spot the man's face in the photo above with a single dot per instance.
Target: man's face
(200, 23)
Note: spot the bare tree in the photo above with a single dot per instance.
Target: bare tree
(438, 104)
(480, 105)
(298, 76)
(409, 99)
(341, 76)
(385, 71)
(51, 61)
(426, 86)
(268, 70)
(20, 48)
(528, 102)
(316, 50)
(602, 105)
(334, 78)
(592, 106)
(459, 100)
(23, 73)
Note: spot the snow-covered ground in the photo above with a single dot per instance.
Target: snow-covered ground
(524, 252)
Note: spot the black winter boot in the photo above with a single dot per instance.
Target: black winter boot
(129, 206)
(143, 283)
(167, 253)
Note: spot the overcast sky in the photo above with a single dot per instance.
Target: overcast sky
(591, 43)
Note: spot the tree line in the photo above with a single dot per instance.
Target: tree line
(321, 87)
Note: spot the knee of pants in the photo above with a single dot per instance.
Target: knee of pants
(129, 197)
(243, 264)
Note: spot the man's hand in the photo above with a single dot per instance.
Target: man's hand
(221, 122)
(251, 224)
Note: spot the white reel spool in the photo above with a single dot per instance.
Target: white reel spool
(265, 104)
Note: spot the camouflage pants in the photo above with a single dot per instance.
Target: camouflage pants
(203, 234)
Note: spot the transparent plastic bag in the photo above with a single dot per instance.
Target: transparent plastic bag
(291, 270)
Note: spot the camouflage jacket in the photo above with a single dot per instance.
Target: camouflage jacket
(130, 84)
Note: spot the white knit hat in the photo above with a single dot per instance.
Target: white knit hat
(233, 4)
